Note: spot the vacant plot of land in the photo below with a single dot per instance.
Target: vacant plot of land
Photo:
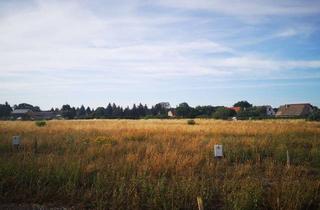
(162, 164)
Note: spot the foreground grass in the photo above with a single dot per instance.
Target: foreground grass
(162, 164)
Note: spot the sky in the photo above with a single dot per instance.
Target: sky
(202, 52)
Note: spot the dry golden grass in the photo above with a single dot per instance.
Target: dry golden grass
(162, 164)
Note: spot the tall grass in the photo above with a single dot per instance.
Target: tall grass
(162, 164)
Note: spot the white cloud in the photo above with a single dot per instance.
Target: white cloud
(67, 37)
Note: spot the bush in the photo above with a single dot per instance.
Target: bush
(314, 116)
(40, 123)
(191, 122)
(223, 113)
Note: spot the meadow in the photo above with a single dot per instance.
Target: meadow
(162, 164)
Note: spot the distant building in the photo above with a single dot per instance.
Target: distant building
(24, 114)
(235, 108)
(269, 110)
(27, 114)
(172, 113)
(43, 115)
(294, 110)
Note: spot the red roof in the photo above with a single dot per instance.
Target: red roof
(236, 108)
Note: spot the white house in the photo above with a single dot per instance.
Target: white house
(270, 111)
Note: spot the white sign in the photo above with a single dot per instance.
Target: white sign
(16, 140)
(218, 152)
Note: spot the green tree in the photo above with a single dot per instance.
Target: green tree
(109, 111)
(68, 112)
(183, 110)
(5, 110)
(314, 115)
(243, 104)
(81, 113)
(99, 112)
(223, 113)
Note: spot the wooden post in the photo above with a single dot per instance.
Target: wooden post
(200, 203)
(288, 159)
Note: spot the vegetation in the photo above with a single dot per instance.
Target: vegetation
(158, 111)
(41, 123)
(223, 113)
(162, 164)
(243, 104)
(191, 122)
(315, 115)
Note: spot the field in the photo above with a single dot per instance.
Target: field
(162, 164)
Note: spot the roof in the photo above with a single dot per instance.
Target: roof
(21, 111)
(235, 108)
(294, 110)
(44, 114)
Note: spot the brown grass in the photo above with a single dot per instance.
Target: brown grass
(162, 164)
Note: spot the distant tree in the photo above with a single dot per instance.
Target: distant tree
(127, 112)
(183, 110)
(160, 109)
(141, 111)
(27, 106)
(223, 113)
(134, 112)
(108, 111)
(68, 112)
(314, 115)
(99, 112)
(205, 111)
(114, 113)
(243, 104)
(253, 112)
(5, 110)
(89, 111)
(81, 112)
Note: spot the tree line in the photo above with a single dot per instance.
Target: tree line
(159, 110)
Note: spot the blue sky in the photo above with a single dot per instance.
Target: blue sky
(215, 52)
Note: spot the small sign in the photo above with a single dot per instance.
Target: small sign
(218, 152)
(16, 141)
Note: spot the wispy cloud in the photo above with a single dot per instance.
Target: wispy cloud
(248, 8)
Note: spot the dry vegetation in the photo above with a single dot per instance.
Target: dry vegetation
(162, 164)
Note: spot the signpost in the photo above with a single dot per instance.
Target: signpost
(16, 141)
(218, 151)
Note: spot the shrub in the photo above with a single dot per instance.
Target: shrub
(223, 113)
(40, 123)
(191, 122)
(314, 116)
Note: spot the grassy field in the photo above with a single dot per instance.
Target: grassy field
(162, 164)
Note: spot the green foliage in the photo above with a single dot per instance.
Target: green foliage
(41, 123)
(253, 112)
(68, 112)
(5, 110)
(243, 104)
(191, 122)
(223, 113)
(315, 115)
(27, 106)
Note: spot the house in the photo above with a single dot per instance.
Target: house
(28, 114)
(24, 114)
(172, 113)
(269, 111)
(43, 115)
(294, 110)
(235, 108)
